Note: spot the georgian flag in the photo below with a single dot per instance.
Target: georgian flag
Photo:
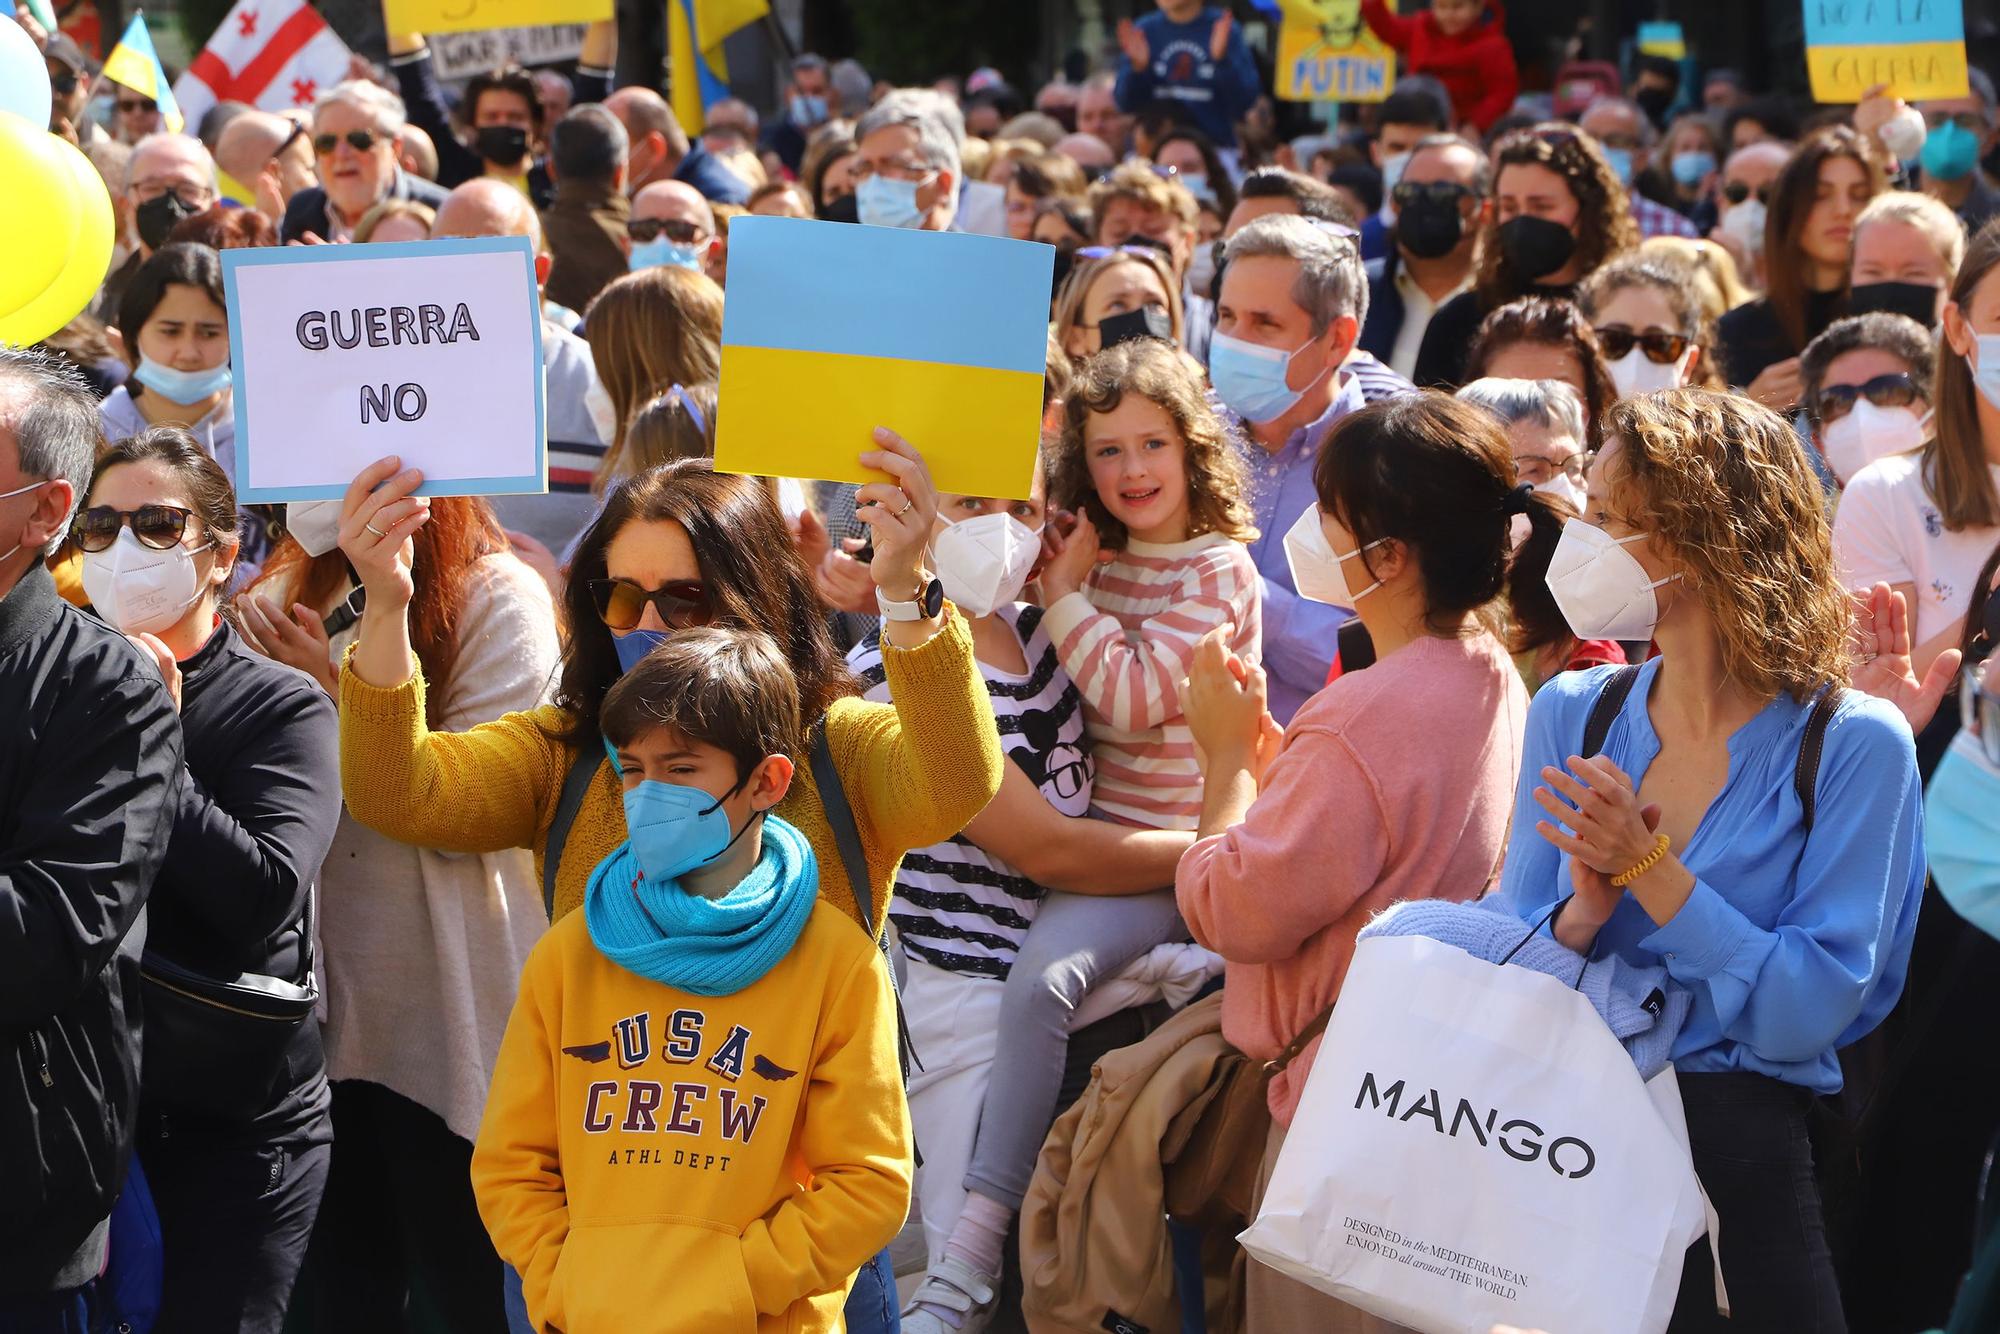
(277, 55)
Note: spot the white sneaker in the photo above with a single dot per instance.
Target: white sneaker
(955, 1286)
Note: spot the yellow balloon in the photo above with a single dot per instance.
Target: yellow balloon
(89, 254)
(37, 213)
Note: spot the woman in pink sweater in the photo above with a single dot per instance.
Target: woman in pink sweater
(1392, 783)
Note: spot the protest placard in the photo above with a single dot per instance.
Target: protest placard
(430, 350)
(1916, 47)
(1326, 53)
(459, 55)
(468, 15)
(832, 330)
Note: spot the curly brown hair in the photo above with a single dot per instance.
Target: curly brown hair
(1675, 282)
(1217, 481)
(1723, 482)
(1604, 228)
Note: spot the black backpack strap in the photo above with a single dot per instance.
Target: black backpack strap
(1610, 700)
(1805, 778)
(846, 836)
(1357, 646)
(575, 783)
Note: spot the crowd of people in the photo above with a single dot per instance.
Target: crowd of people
(1587, 507)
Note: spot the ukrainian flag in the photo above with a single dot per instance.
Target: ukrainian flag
(134, 63)
(696, 29)
(1916, 47)
(832, 330)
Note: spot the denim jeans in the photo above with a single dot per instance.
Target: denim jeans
(872, 1305)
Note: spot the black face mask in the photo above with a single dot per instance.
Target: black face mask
(1145, 322)
(502, 145)
(157, 217)
(1912, 299)
(1429, 228)
(1654, 102)
(1534, 247)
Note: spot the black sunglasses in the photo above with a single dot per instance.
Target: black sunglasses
(1408, 193)
(360, 140)
(621, 604)
(63, 81)
(1736, 192)
(645, 229)
(156, 526)
(1894, 390)
(1662, 349)
(134, 105)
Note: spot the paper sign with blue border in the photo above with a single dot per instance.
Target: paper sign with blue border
(832, 330)
(1916, 47)
(430, 350)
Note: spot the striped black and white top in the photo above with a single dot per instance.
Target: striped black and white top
(956, 906)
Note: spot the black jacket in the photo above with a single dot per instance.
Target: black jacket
(90, 782)
(1385, 310)
(1448, 337)
(1750, 339)
(307, 211)
(256, 816)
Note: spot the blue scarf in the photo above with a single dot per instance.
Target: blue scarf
(709, 947)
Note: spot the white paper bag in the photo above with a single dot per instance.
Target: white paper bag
(1473, 1147)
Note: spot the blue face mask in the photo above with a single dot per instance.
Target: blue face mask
(1950, 152)
(181, 386)
(675, 829)
(634, 645)
(1962, 834)
(1621, 163)
(1691, 168)
(883, 201)
(1985, 364)
(1250, 379)
(661, 252)
(808, 110)
(1196, 183)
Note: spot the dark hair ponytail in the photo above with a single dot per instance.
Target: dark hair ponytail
(1437, 475)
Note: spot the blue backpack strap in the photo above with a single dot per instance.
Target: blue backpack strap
(1610, 699)
(576, 782)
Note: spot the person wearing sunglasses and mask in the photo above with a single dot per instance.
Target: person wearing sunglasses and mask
(354, 129)
(234, 1130)
(1558, 212)
(678, 546)
(1907, 249)
(418, 936)
(671, 224)
(1867, 391)
(1742, 203)
(1648, 318)
(1783, 894)
(1440, 201)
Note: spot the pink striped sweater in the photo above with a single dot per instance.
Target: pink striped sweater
(1127, 640)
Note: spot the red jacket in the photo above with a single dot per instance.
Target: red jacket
(1476, 66)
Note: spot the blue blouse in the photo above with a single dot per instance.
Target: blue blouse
(1793, 943)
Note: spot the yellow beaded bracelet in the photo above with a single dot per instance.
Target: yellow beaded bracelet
(1646, 863)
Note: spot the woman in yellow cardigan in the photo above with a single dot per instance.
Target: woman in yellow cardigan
(680, 545)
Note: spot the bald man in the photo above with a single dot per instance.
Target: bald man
(1087, 151)
(661, 150)
(269, 157)
(540, 526)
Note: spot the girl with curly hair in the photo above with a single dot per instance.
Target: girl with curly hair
(1558, 213)
(1748, 823)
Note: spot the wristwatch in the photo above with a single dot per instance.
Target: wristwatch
(929, 602)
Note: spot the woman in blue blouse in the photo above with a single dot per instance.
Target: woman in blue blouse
(1685, 841)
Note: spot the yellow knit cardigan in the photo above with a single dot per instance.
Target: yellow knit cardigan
(915, 772)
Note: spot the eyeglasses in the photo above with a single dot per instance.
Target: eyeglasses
(1894, 390)
(621, 604)
(1662, 349)
(1540, 469)
(1409, 193)
(1737, 191)
(132, 106)
(861, 169)
(193, 197)
(359, 140)
(677, 230)
(1968, 121)
(156, 526)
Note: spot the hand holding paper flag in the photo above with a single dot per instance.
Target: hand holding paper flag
(134, 63)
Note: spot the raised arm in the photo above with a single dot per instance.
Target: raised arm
(424, 106)
(1388, 25)
(1073, 853)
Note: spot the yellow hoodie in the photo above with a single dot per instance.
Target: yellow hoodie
(655, 1159)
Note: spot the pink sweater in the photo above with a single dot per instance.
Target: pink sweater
(1394, 783)
(1127, 640)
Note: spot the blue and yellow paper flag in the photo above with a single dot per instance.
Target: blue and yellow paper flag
(700, 74)
(134, 63)
(1916, 47)
(832, 330)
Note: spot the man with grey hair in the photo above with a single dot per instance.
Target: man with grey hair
(1627, 138)
(906, 163)
(1292, 302)
(355, 149)
(90, 786)
(585, 222)
(168, 177)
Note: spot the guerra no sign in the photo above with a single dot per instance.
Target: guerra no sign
(387, 326)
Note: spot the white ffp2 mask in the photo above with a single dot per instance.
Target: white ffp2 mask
(1316, 571)
(983, 562)
(1868, 433)
(140, 590)
(1601, 587)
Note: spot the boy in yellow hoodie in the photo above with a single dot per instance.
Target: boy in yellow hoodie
(697, 1122)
